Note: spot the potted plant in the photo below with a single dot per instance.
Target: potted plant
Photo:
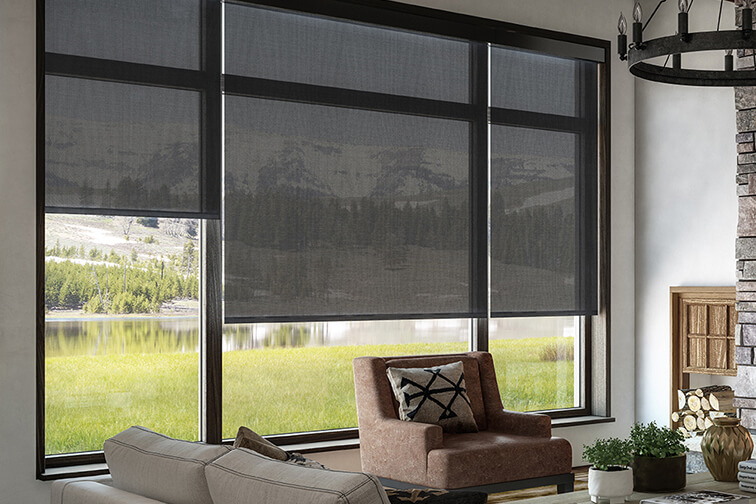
(658, 458)
(610, 476)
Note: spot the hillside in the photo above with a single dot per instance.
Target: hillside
(120, 265)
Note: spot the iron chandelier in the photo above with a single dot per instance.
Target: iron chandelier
(674, 46)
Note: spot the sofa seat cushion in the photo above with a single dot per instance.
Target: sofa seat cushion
(159, 467)
(487, 457)
(245, 477)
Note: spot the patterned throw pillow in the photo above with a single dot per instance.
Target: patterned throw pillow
(434, 395)
(298, 459)
(247, 438)
(428, 496)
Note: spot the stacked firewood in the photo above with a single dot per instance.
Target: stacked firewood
(697, 407)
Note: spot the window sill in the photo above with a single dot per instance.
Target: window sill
(74, 471)
(77, 471)
(557, 423)
(85, 470)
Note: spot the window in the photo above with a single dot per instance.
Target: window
(121, 328)
(351, 182)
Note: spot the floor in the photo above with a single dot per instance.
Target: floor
(581, 483)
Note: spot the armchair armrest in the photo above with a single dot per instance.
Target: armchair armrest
(395, 449)
(522, 424)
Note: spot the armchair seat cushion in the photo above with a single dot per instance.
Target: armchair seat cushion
(496, 457)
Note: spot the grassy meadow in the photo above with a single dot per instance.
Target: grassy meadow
(271, 390)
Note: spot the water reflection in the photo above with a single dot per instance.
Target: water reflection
(121, 336)
(107, 336)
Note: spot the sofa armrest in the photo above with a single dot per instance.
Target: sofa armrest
(522, 424)
(93, 491)
(396, 449)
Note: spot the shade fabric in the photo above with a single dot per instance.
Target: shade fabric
(155, 32)
(291, 47)
(128, 130)
(533, 82)
(114, 146)
(339, 204)
(332, 211)
(533, 198)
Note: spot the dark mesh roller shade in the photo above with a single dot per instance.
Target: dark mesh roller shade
(535, 246)
(335, 212)
(291, 47)
(533, 82)
(155, 32)
(121, 148)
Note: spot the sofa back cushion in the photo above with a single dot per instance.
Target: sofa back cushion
(243, 476)
(161, 468)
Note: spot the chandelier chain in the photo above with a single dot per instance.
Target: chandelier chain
(719, 19)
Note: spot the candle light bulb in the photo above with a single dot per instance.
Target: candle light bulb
(637, 13)
(683, 5)
(622, 24)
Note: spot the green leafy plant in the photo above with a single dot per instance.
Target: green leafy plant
(609, 454)
(650, 440)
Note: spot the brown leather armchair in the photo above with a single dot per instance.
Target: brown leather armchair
(510, 451)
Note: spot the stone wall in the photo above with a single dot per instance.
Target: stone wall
(745, 247)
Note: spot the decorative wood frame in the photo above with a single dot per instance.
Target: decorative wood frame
(702, 334)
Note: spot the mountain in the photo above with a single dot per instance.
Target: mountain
(106, 154)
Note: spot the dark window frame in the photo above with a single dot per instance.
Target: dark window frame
(480, 32)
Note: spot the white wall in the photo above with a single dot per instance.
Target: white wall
(596, 18)
(686, 204)
(17, 245)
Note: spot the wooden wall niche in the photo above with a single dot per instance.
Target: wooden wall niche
(703, 334)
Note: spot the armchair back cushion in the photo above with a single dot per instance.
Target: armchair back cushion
(159, 467)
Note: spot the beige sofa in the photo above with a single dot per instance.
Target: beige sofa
(149, 468)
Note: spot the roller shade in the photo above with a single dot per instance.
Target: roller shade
(129, 129)
(340, 213)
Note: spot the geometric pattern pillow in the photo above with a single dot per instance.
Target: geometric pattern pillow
(434, 395)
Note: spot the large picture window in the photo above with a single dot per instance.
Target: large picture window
(241, 197)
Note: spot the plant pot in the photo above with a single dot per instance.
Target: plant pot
(724, 444)
(614, 485)
(654, 474)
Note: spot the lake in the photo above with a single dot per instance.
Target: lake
(133, 335)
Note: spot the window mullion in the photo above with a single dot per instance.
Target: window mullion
(211, 327)
(211, 309)
(479, 200)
